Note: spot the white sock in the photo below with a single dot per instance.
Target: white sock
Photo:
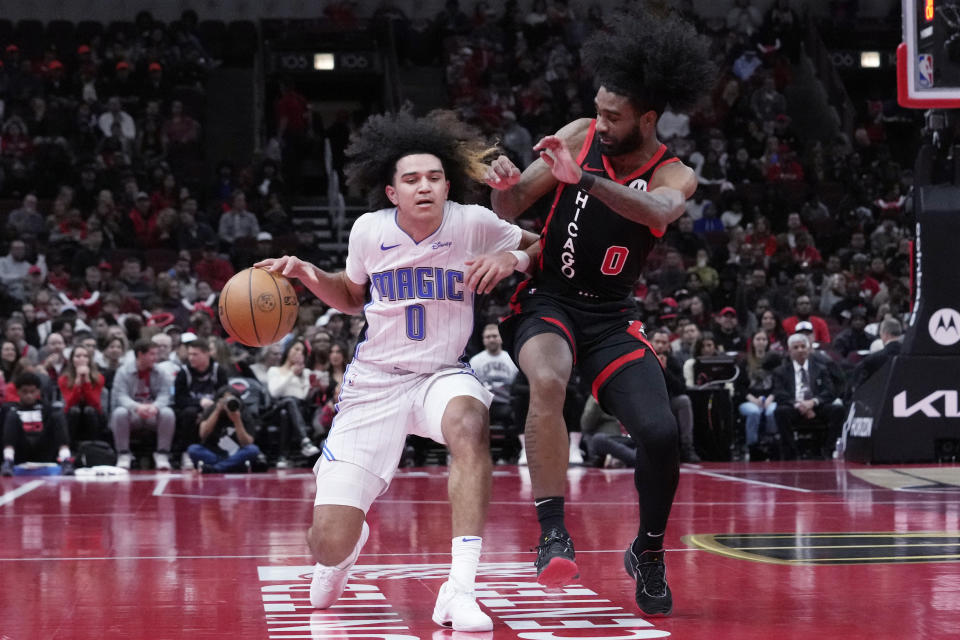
(575, 439)
(64, 453)
(8, 454)
(466, 556)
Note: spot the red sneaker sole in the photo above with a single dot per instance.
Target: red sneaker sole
(558, 572)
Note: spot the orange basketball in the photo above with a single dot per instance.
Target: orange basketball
(258, 307)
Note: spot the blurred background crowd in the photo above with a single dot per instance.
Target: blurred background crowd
(124, 210)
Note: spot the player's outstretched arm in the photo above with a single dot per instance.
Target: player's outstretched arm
(335, 289)
(515, 192)
(663, 203)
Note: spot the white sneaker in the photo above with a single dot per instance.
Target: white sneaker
(282, 463)
(459, 609)
(308, 449)
(161, 461)
(124, 460)
(186, 463)
(329, 582)
(576, 457)
(522, 462)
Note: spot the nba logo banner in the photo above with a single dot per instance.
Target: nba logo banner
(925, 71)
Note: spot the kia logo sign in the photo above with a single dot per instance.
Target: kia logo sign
(928, 406)
(944, 327)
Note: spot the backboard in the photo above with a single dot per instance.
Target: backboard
(928, 60)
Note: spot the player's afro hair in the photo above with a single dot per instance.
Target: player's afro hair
(652, 58)
(383, 139)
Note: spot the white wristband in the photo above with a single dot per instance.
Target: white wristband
(523, 260)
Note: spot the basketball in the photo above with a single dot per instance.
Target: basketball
(258, 307)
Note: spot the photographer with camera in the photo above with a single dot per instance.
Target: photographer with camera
(226, 443)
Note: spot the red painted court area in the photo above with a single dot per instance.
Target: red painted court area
(765, 550)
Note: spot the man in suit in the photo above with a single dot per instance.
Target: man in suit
(891, 333)
(804, 393)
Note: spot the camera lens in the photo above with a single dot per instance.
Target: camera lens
(233, 404)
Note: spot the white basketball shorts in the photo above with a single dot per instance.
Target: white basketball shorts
(376, 412)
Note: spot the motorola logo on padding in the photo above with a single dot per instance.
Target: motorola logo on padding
(945, 326)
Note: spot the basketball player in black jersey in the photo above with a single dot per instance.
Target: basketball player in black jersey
(615, 188)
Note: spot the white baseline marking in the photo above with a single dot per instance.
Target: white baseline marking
(772, 485)
(10, 496)
(298, 556)
(161, 485)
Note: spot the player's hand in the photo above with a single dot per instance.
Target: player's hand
(555, 153)
(289, 266)
(502, 174)
(486, 271)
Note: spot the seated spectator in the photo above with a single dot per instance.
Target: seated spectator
(803, 313)
(9, 356)
(756, 389)
(238, 222)
(496, 370)
(680, 403)
(34, 431)
(293, 386)
(225, 433)
(854, 338)
(81, 386)
(682, 347)
(212, 268)
(804, 393)
(116, 114)
(771, 325)
(705, 346)
(195, 387)
(14, 267)
(727, 336)
(891, 334)
(141, 397)
(267, 357)
(27, 220)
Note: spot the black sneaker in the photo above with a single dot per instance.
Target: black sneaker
(653, 593)
(6, 469)
(66, 467)
(555, 565)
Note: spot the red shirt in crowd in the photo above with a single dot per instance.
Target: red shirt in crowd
(87, 392)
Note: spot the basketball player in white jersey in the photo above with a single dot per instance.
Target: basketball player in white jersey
(412, 268)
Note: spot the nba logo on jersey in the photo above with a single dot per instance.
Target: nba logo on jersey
(925, 71)
(639, 184)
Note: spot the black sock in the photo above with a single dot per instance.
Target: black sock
(550, 513)
(647, 542)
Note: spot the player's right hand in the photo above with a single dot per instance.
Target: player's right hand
(502, 174)
(289, 266)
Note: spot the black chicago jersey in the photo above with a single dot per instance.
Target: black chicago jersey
(587, 249)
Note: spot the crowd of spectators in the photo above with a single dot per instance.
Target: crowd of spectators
(114, 250)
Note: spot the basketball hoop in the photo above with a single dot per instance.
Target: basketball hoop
(928, 59)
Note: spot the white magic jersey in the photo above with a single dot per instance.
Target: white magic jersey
(421, 314)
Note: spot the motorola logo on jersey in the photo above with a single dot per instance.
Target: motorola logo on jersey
(944, 326)
(639, 184)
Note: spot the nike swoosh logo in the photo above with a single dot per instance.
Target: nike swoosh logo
(537, 503)
(468, 539)
(384, 247)
(587, 167)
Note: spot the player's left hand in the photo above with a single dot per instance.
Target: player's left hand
(486, 271)
(555, 153)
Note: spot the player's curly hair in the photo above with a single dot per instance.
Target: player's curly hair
(383, 139)
(654, 58)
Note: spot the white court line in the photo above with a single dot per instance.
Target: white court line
(299, 555)
(772, 485)
(161, 485)
(10, 496)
